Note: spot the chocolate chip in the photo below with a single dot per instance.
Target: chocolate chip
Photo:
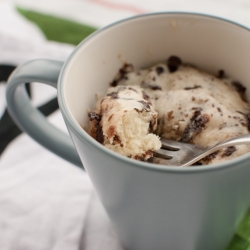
(113, 95)
(210, 157)
(152, 125)
(155, 87)
(223, 125)
(145, 105)
(239, 87)
(247, 118)
(117, 140)
(145, 96)
(229, 151)
(159, 70)
(94, 116)
(138, 111)
(99, 133)
(195, 126)
(197, 109)
(110, 117)
(173, 63)
(114, 83)
(127, 68)
(197, 164)
(143, 156)
(221, 73)
(133, 89)
(195, 87)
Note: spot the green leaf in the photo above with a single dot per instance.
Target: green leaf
(58, 29)
(237, 243)
(243, 229)
(241, 239)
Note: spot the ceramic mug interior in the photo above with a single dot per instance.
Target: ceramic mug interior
(209, 43)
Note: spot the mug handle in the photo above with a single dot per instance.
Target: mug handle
(31, 120)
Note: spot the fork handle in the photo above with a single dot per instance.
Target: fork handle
(239, 140)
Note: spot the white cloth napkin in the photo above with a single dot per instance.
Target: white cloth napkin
(45, 202)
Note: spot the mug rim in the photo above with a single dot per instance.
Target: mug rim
(85, 137)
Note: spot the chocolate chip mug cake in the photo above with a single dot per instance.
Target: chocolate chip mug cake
(172, 100)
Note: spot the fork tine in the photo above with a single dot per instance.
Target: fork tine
(179, 154)
(170, 144)
(169, 162)
(166, 154)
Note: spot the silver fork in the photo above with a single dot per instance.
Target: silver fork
(181, 154)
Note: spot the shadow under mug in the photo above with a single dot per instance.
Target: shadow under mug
(151, 206)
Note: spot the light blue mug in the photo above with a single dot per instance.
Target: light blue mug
(151, 206)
